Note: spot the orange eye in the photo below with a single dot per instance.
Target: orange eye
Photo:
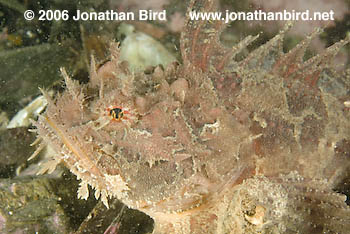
(116, 113)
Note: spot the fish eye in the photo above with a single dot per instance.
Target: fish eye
(116, 113)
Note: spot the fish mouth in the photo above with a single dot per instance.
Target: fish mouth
(198, 195)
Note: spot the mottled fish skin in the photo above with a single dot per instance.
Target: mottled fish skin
(211, 145)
